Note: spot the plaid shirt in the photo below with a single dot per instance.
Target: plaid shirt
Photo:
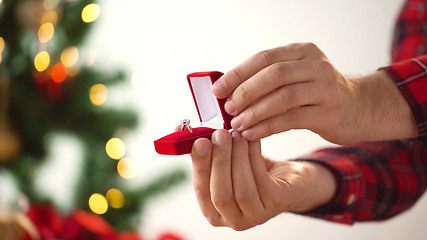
(379, 180)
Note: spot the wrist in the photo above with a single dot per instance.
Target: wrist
(384, 113)
(321, 186)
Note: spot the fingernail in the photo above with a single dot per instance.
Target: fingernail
(236, 135)
(218, 88)
(219, 137)
(248, 134)
(202, 149)
(236, 122)
(229, 107)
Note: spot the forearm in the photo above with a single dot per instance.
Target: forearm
(366, 175)
(384, 112)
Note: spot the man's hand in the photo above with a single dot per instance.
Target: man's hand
(237, 187)
(297, 87)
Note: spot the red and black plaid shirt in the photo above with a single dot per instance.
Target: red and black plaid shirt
(379, 180)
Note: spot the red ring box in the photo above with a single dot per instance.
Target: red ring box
(211, 113)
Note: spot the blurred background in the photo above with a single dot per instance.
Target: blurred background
(86, 87)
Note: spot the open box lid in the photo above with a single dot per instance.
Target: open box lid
(210, 109)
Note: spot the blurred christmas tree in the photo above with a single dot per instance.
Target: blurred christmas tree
(47, 85)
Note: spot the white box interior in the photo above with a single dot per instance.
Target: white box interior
(210, 114)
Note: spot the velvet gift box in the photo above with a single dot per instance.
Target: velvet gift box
(211, 114)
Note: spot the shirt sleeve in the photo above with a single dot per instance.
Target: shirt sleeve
(375, 180)
(410, 76)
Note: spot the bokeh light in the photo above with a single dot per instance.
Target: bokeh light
(115, 148)
(1, 43)
(69, 56)
(98, 203)
(98, 94)
(42, 61)
(90, 13)
(1, 46)
(115, 198)
(49, 17)
(126, 168)
(46, 32)
(58, 73)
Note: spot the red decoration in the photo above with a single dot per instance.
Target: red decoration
(169, 236)
(79, 225)
(208, 107)
(47, 220)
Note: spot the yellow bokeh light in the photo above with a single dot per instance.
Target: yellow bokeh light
(1, 43)
(98, 94)
(115, 148)
(126, 168)
(90, 13)
(115, 198)
(98, 203)
(42, 61)
(69, 56)
(49, 17)
(46, 32)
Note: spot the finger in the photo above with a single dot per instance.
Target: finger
(277, 102)
(297, 118)
(245, 189)
(268, 80)
(201, 158)
(224, 86)
(259, 170)
(221, 183)
(177, 128)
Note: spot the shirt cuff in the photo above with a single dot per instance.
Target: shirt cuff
(350, 192)
(410, 76)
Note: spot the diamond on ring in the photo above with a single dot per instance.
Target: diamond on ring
(185, 123)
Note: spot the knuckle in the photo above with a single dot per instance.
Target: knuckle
(309, 46)
(239, 227)
(278, 71)
(202, 194)
(214, 221)
(250, 114)
(220, 162)
(285, 95)
(221, 202)
(241, 95)
(264, 58)
(268, 126)
(244, 197)
(325, 68)
(235, 77)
